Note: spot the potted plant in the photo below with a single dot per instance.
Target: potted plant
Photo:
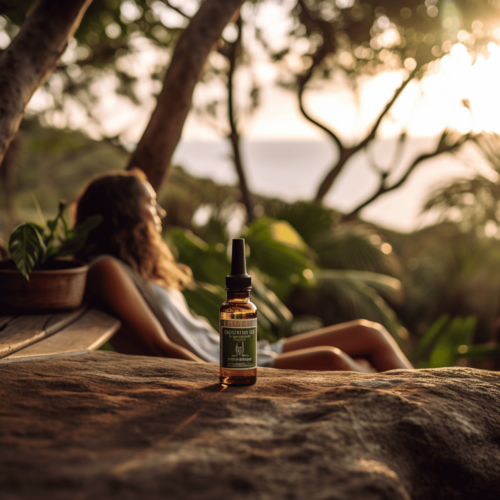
(40, 276)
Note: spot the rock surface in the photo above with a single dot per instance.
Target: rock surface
(113, 426)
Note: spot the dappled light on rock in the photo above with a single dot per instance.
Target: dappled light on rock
(114, 426)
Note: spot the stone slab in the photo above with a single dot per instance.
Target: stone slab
(111, 426)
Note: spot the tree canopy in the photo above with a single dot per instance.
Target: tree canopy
(324, 39)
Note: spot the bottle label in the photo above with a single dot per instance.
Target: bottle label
(238, 344)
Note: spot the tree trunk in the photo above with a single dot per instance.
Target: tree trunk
(234, 136)
(245, 193)
(31, 57)
(157, 145)
(8, 178)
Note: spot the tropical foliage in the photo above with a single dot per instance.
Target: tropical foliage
(329, 271)
(291, 289)
(474, 202)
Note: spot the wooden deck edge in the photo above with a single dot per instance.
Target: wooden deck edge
(7, 361)
(53, 325)
(89, 332)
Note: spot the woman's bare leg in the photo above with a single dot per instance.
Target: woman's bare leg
(359, 338)
(322, 358)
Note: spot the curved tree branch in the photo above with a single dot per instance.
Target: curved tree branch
(309, 118)
(387, 107)
(344, 153)
(329, 179)
(176, 9)
(396, 159)
(31, 57)
(157, 145)
(384, 188)
(231, 52)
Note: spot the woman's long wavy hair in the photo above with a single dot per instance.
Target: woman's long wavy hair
(125, 232)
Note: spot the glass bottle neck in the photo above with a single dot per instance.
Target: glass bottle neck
(238, 296)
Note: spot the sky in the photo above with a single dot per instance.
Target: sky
(423, 110)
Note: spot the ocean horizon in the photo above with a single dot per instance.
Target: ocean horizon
(293, 169)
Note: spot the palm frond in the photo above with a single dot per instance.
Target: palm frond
(388, 287)
(353, 246)
(337, 299)
(302, 324)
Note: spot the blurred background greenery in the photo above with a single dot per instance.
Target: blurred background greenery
(436, 290)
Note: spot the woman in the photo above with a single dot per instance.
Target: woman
(130, 231)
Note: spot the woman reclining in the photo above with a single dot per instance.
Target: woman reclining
(130, 234)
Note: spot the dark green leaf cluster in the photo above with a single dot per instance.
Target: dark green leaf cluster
(32, 245)
(286, 270)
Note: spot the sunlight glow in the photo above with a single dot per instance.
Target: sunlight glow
(308, 274)
(4, 40)
(386, 248)
(130, 11)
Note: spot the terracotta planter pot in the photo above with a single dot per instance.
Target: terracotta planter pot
(59, 287)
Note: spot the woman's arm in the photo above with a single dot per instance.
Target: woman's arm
(109, 282)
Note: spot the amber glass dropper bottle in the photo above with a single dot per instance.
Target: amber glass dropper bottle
(238, 324)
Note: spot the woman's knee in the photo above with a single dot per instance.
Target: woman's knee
(364, 323)
(331, 358)
(375, 331)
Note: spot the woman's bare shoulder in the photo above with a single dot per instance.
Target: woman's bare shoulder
(107, 268)
(105, 261)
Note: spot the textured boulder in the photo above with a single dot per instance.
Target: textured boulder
(112, 426)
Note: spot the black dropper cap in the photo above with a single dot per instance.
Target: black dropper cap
(238, 277)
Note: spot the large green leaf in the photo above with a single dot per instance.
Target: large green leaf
(209, 263)
(26, 247)
(430, 337)
(458, 333)
(278, 251)
(448, 341)
(309, 219)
